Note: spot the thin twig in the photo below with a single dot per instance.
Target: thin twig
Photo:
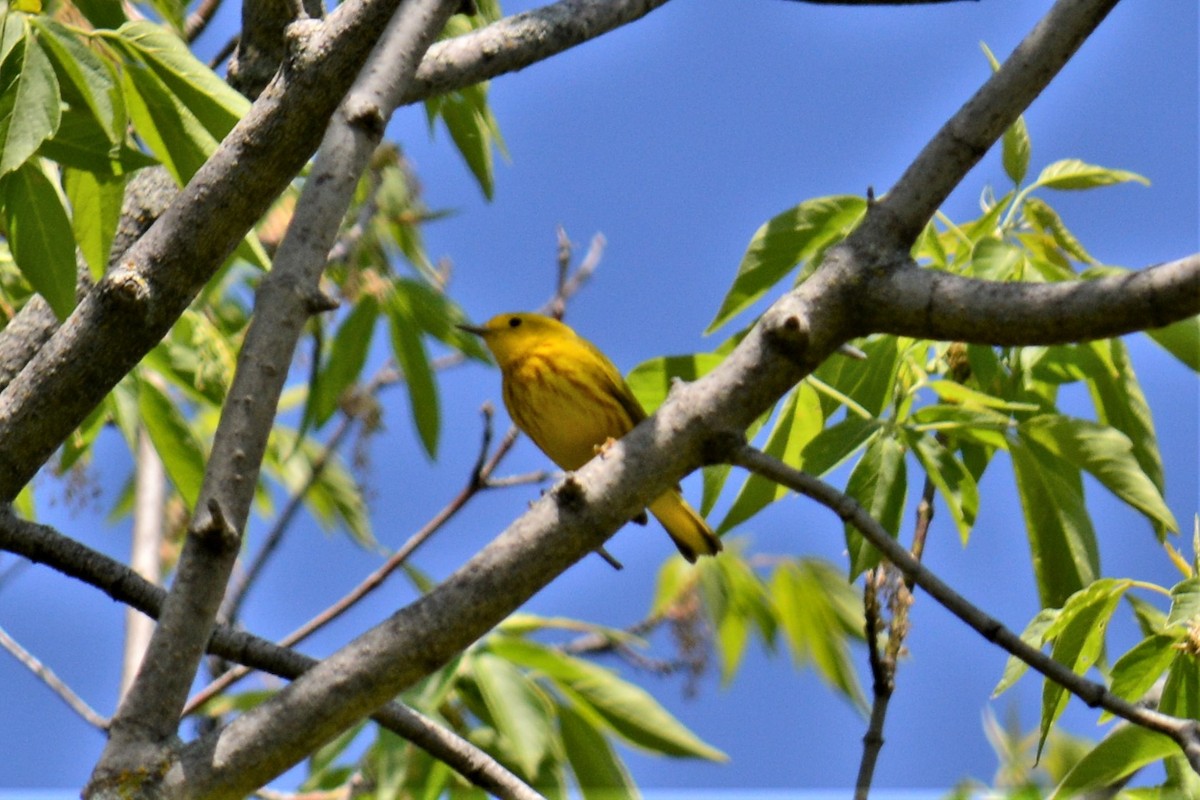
(1185, 732)
(43, 545)
(237, 593)
(476, 482)
(881, 683)
(198, 20)
(55, 683)
(883, 664)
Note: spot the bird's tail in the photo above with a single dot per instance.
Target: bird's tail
(688, 529)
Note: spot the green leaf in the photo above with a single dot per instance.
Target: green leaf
(1061, 537)
(1078, 634)
(1127, 749)
(81, 439)
(439, 316)
(39, 235)
(102, 13)
(1073, 174)
(798, 423)
(1015, 150)
(952, 479)
(171, 12)
(1034, 635)
(79, 142)
(598, 771)
(414, 363)
(174, 441)
(1043, 216)
(735, 599)
(86, 81)
(168, 128)
(1180, 339)
(782, 243)
(879, 483)
(1107, 454)
(601, 696)
(1150, 619)
(1185, 603)
(813, 628)
(962, 425)
(870, 382)
(474, 131)
(651, 380)
(953, 392)
(1137, 670)
(996, 260)
(336, 499)
(212, 101)
(1014, 154)
(347, 355)
(1181, 691)
(518, 709)
(1117, 396)
(96, 203)
(1065, 363)
(30, 105)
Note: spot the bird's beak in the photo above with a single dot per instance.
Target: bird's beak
(475, 329)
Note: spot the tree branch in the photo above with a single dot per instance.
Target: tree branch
(478, 480)
(55, 683)
(150, 497)
(1185, 732)
(699, 423)
(975, 127)
(134, 305)
(149, 716)
(938, 305)
(515, 42)
(42, 544)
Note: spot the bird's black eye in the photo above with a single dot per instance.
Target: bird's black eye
(514, 322)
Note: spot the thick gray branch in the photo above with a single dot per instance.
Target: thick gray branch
(44, 545)
(699, 422)
(936, 305)
(130, 310)
(1185, 732)
(149, 715)
(515, 42)
(975, 127)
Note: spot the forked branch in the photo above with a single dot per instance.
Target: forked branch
(1185, 732)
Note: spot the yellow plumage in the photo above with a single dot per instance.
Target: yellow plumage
(569, 399)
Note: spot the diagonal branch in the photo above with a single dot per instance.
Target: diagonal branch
(699, 423)
(149, 716)
(134, 305)
(515, 42)
(478, 480)
(1185, 732)
(938, 305)
(55, 683)
(44, 545)
(975, 127)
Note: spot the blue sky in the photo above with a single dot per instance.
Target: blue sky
(676, 137)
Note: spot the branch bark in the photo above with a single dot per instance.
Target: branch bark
(135, 304)
(145, 724)
(150, 497)
(1185, 732)
(44, 545)
(699, 423)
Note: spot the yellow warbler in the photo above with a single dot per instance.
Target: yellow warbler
(570, 399)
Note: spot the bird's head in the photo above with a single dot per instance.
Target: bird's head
(512, 335)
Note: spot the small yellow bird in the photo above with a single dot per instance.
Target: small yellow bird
(569, 398)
